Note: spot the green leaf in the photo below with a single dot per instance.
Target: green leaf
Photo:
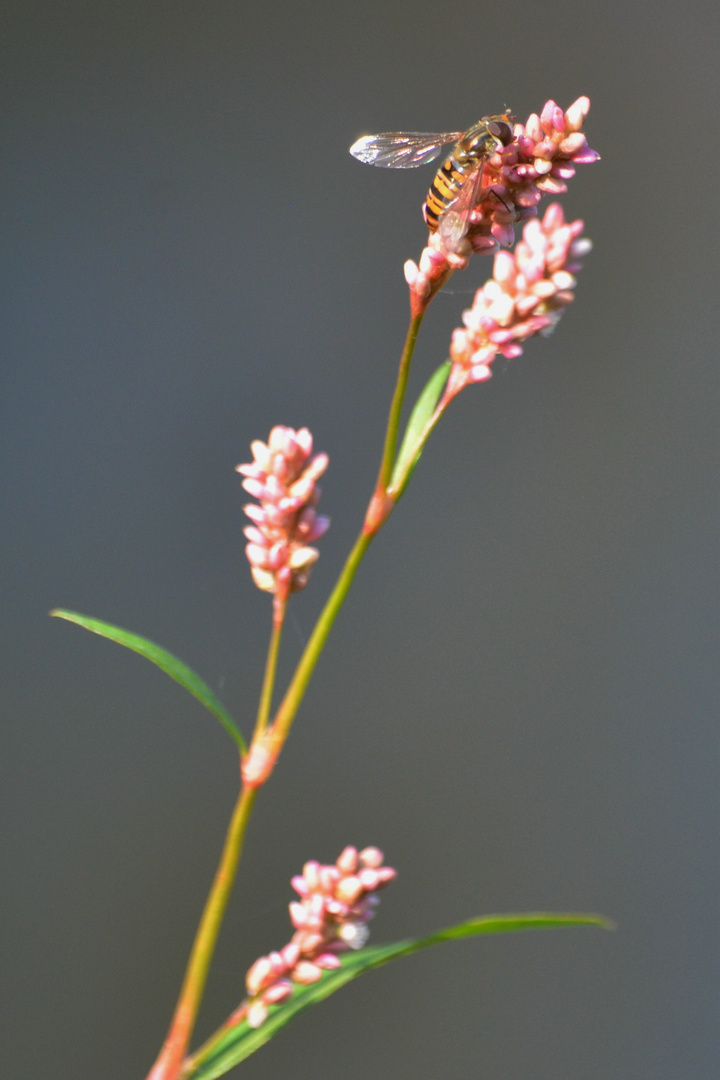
(411, 448)
(170, 664)
(231, 1046)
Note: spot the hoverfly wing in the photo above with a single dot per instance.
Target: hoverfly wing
(455, 222)
(401, 149)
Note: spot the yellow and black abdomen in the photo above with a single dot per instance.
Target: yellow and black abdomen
(444, 190)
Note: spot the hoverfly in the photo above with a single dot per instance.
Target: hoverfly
(457, 186)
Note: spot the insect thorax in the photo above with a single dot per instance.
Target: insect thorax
(485, 137)
(477, 143)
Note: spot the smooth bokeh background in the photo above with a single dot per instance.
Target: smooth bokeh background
(518, 702)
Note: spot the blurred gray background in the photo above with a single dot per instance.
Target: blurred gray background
(518, 701)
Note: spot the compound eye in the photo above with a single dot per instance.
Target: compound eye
(501, 131)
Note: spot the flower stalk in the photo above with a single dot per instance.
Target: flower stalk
(169, 1062)
(378, 511)
(381, 504)
(270, 669)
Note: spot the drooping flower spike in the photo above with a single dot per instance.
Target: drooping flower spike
(526, 295)
(283, 476)
(539, 160)
(336, 903)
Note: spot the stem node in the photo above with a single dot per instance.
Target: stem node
(379, 510)
(259, 762)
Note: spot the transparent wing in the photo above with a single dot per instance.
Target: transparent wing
(455, 222)
(402, 149)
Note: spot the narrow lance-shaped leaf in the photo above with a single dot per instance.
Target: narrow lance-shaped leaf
(410, 449)
(231, 1045)
(170, 664)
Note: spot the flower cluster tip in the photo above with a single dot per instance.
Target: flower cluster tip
(336, 903)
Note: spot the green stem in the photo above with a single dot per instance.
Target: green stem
(311, 655)
(391, 435)
(303, 673)
(270, 670)
(169, 1062)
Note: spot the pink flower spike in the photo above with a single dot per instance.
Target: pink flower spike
(525, 297)
(338, 901)
(283, 477)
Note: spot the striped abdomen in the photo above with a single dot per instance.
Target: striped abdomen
(445, 188)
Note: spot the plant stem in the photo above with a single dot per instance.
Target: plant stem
(296, 690)
(270, 669)
(391, 435)
(311, 655)
(169, 1062)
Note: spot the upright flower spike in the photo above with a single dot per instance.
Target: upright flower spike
(539, 161)
(283, 476)
(526, 296)
(336, 903)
